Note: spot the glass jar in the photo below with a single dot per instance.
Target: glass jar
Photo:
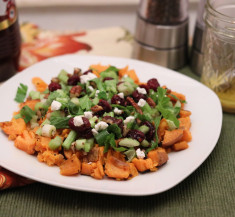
(219, 53)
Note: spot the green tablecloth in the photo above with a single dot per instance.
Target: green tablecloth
(209, 191)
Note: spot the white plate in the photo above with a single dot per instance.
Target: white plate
(206, 126)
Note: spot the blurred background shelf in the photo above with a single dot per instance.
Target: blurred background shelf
(86, 14)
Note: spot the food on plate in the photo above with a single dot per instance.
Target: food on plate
(101, 122)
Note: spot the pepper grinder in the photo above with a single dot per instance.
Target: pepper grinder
(196, 62)
(161, 35)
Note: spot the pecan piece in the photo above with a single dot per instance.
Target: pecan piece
(75, 91)
(134, 104)
(151, 102)
(55, 80)
(96, 108)
(77, 71)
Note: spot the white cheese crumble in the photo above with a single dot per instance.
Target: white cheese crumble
(78, 121)
(141, 102)
(117, 111)
(97, 92)
(85, 78)
(55, 105)
(121, 95)
(90, 88)
(101, 126)
(48, 130)
(129, 119)
(141, 90)
(140, 154)
(94, 132)
(125, 76)
(88, 115)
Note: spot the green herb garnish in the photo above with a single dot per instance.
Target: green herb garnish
(21, 93)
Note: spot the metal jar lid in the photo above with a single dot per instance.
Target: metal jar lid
(170, 58)
(161, 36)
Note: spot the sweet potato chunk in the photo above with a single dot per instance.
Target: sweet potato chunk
(133, 171)
(70, 166)
(13, 128)
(184, 113)
(143, 164)
(115, 168)
(186, 136)
(98, 171)
(30, 103)
(185, 123)
(39, 84)
(51, 158)
(42, 143)
(95, 170)
(26, 142)
(171, 137)
(158, 156)
(180, 146)
(161, 129)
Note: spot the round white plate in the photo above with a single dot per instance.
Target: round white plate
(206, 126)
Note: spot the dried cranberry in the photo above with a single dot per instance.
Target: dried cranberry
(136, 134)
(112, 120)
(54, 86)
(88, 71)
(145, 87)
(153, 84)
(151, 132)
(107, 79)
(87, 134)
(137, 96)
(73, 80)
(105, 105)
(83, 129)
(116, 99)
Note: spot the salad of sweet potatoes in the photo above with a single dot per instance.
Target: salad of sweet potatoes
(101, 122)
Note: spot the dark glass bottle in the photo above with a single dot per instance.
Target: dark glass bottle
(10, 39)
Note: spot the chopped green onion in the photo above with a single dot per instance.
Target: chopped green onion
(127, 142)
(55, 143)
(144, 129)
(69, 140)
(21, 93)
(63, 76)
(34, 94)
(130, 154)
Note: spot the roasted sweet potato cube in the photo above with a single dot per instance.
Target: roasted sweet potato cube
(158, 156)
(143, 164)
(180, 146)
(171, 137)
(70, 166)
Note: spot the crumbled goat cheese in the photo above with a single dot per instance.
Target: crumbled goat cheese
(125, 76)
(140, 154)
(129, 119)
(78, 121)
(141, 90)
(141, 102)
(88, 115)
(48, 130)
(85, 78)
(94, 132)
(90, 88)
(97, 92)
(55, 105)
(117, 111)
(121, 95)
(101, 126)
